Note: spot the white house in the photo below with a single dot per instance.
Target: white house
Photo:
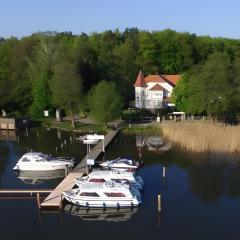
(154, 91)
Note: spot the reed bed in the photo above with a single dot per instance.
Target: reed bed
(203, 137)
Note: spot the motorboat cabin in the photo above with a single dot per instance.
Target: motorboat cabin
(112, 175)
(121, 164)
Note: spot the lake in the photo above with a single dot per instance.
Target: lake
(200, 195)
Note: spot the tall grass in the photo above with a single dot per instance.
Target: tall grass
(203, 136)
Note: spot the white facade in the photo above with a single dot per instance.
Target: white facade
(152, 99)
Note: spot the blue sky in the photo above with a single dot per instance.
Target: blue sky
(218, 18)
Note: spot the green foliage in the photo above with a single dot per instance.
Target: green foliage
(42, 94)
(105, 102)
(116, 57)
(66, 86)
(212, 87)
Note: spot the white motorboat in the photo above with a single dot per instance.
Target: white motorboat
(108, 194)
(121, 164)
(99, 214)
(87, 141)
(90, 141)
(36, 161)
(112, 175)
(38, 177)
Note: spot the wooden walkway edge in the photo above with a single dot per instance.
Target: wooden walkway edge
(55, 197)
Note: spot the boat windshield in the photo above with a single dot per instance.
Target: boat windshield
(46, 157)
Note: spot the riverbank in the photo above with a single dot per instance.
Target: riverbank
(202, 137)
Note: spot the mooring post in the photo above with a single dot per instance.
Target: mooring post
(38, 200)
(66, 170)
(26, 131)
(159, 203)
(164, 172)
(60, 204)
(103, 146)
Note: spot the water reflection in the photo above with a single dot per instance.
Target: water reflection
(38, 177)
(6, 135)
(153, 143)
(98, 214)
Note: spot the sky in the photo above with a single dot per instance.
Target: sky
(216, 18)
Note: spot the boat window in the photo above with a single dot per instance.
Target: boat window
(97, 180)
(40, 160)
(115, 194)
(89, 194)
(25, 159)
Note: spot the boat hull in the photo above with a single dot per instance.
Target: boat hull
(103, 204)
(41, 167)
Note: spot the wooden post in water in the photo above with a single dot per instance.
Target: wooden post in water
(26, 131)
(66, 170)
(159, 208)
(60, 204)
(38, 200)
(164, 172)
(159, 203)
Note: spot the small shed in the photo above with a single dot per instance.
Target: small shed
(13, 123)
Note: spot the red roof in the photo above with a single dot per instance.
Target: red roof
(140, 80)
(170, 79)
(154, 78)
(157, 87)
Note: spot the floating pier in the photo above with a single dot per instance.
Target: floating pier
(54, 199)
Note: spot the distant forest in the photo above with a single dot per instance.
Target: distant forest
(28, 65)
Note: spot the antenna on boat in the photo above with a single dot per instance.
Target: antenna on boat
(28, 149)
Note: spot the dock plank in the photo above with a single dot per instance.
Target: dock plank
(54, 198)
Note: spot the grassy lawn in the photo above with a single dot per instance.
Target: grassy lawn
(67, 125)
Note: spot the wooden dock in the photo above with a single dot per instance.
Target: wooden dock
(54, 199)
(97, 150)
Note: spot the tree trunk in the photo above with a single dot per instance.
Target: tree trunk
(72, 116)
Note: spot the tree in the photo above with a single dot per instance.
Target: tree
(66, 87)
(207, 87)
(105, 102)
(42, 94)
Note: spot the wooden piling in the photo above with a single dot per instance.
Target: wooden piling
(61, 202)
(159, 203)
(164, 172)
(38, 200)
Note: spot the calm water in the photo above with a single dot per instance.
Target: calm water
(200, 195)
